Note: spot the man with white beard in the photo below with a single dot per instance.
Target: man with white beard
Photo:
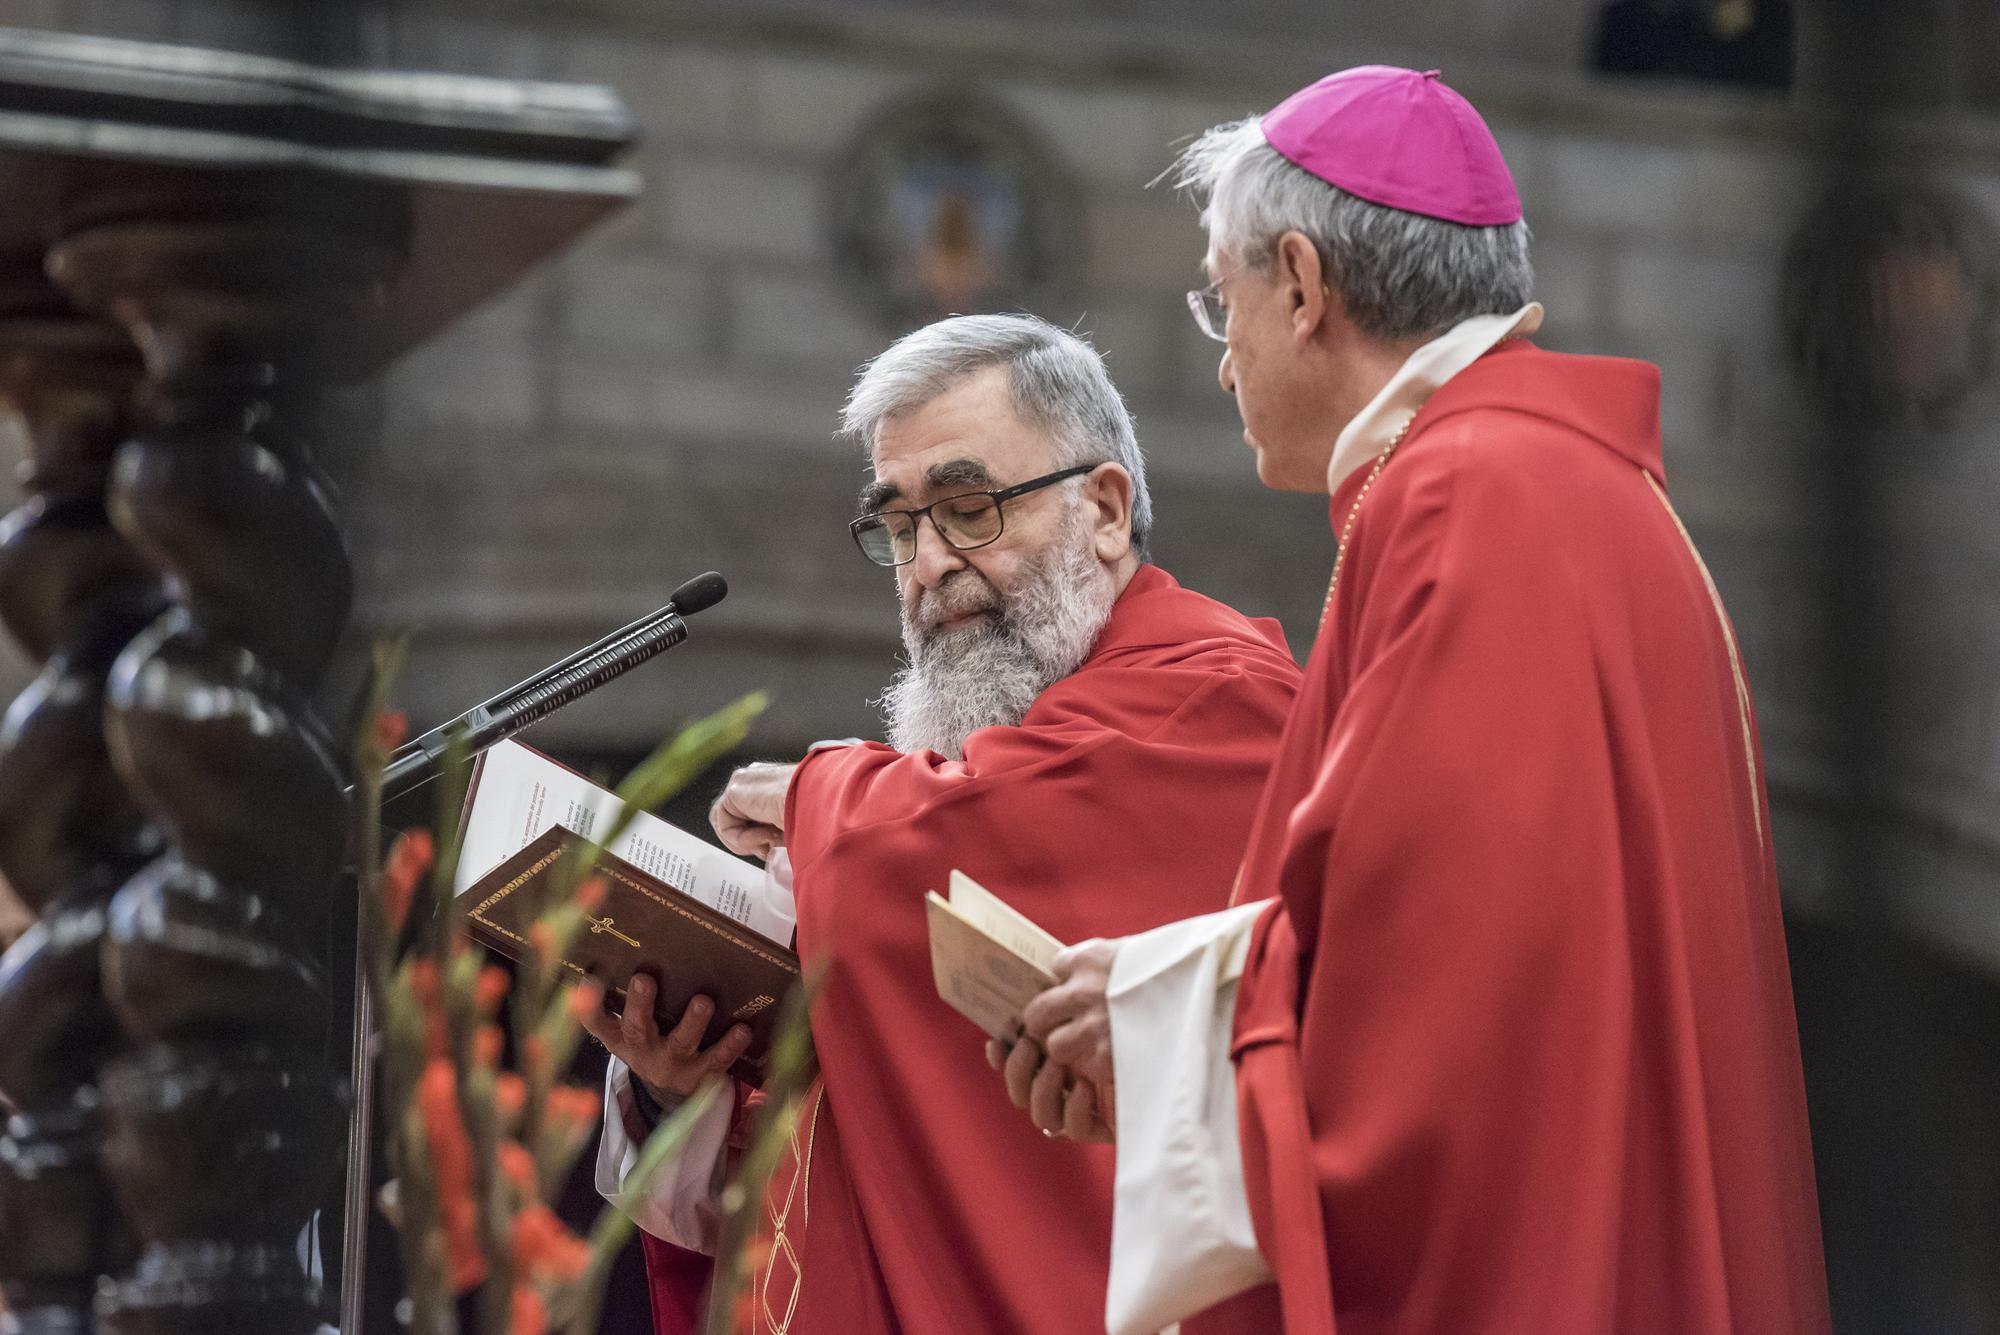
(1076, 732)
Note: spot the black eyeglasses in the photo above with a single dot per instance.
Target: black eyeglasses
(889, 537)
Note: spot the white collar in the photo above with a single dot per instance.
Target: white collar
(1375, 427)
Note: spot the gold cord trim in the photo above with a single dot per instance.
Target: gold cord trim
(798, 1190)
(1353, 514)
(1735, 660)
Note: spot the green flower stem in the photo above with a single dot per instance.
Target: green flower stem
(614, 1228)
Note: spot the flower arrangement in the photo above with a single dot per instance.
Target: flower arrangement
(480, 1130)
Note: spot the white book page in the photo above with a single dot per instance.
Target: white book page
(521, 794)
(1003, 922)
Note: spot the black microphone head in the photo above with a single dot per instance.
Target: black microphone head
(699, 594)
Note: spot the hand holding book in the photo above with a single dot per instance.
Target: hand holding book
(1040, 1003)
(1070, 1025)
(672, 1062)
(679, 919)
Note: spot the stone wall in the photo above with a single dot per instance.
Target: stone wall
(661, 401)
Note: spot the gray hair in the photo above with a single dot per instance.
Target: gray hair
(1057, 381)
(1401, 275)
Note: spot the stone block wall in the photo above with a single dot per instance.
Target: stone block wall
(661, 401)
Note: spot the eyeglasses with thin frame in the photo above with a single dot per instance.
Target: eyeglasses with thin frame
(966, 521)
(1210, 315)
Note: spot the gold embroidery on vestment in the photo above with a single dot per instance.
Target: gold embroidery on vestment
(798, 1190)
(1353, 514)
(1735, 660)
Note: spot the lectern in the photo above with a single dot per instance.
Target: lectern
(194, 246)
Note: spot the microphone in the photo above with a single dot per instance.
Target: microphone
(417, 762)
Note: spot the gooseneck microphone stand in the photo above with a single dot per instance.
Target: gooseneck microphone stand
(417, 763)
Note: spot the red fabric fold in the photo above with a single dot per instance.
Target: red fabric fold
(1545, 1058)
(1290, 1230)
(927, 1202)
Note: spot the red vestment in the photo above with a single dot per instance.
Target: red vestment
(927, 1203)
(1515, 1050)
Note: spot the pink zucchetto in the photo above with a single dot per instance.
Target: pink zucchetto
(1397, 138)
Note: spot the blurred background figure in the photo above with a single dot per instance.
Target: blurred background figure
(1790, 209)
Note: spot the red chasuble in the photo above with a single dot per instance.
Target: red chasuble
(917, 1199)
(1516, 1050)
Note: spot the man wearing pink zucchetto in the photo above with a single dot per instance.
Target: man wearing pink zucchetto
(1499, 1036)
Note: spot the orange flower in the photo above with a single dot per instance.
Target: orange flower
(573, 1105)
(545, 1248)
(486, 1044)
(409, 859)
(424, 984)
(586, 999)
(391, 727)
(756, 1259)
(543, 938)
(424, 981)
(451, 1166)
(590, 895)
(517, 1164)
(510, 1095)
(530, 1315)
(465, 1261)
(535, 1054)
(490, 989)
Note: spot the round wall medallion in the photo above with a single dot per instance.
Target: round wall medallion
(1890, 300)
(947, 204)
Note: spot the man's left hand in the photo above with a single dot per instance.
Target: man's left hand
(1071, 1092)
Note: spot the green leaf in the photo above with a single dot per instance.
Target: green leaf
(662, 776)
(614, 1228)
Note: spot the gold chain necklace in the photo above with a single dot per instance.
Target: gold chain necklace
(1354, 513)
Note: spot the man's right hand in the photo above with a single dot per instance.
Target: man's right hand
(749, 817)
(672, 1063)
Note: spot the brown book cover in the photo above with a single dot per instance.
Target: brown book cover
(644, 925)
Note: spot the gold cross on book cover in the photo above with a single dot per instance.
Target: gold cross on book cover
(700, 920)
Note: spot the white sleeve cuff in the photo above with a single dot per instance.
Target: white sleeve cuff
(684, 1205)
(1181, 1236)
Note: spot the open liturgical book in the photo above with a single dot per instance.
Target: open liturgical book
(701, 921)
(988, 961)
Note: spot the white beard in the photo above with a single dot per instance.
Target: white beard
(987, 673)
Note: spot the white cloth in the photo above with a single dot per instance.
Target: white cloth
(1181, 1238)
(684, 1206)
(1416, 380)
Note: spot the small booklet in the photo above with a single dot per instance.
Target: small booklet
(987, 960)
(700, 920)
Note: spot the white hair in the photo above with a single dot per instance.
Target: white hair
(1401, 275)
(1057, 381)
(989, 673)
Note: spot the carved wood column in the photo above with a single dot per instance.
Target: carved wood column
(72, 592)
(205, 243)
(223, 1116)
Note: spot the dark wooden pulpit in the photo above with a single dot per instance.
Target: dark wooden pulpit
(194, 247)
